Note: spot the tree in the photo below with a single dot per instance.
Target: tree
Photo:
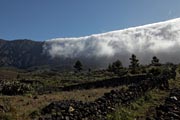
(116, 68)
(110, 68)
(155, 71)
(155, 61)
(78, 66)
(134, 64)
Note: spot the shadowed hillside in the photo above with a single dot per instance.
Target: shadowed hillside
(21, 53)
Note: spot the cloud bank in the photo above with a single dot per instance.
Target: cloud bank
(161, 39)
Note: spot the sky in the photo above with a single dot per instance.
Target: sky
(46, 19)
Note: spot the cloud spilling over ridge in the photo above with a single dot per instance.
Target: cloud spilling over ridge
(161, 39)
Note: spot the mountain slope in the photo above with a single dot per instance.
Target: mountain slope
(25, 53)
(21, 53)
(97, 51)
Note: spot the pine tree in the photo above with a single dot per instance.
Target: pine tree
(155, 61)
(78, 66)
(134, 64)
(110, 68)
(117, 68)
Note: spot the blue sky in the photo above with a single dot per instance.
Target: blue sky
(46, 19)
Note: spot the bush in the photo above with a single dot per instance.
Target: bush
(4, 116)
(15, 88)
(147, 97)
(155, 71)
(34, 114)
(117, 68)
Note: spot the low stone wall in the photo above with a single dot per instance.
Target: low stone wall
(171, 108)
(113, 82)
(77, 110)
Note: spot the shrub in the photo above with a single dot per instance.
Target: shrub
(15, 88)
(117, 68)
(155, 71)
(34, 114)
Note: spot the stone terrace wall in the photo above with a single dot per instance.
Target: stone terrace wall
(113, 82)
(77, 110)
(171, 108)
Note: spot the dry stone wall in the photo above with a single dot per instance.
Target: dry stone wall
(78, 110)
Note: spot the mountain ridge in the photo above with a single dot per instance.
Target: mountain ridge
(160, 39)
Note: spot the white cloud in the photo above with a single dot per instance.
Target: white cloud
(162, 39)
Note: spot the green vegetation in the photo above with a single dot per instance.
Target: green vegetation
(24, 85)
(141, 108)
(117, 68)
(15, 88)
(145, 106)
(155, 61)
(78, 66)
(134, 64)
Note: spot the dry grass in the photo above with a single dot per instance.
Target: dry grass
(24, 105)
(21, 106)
(7, 75)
